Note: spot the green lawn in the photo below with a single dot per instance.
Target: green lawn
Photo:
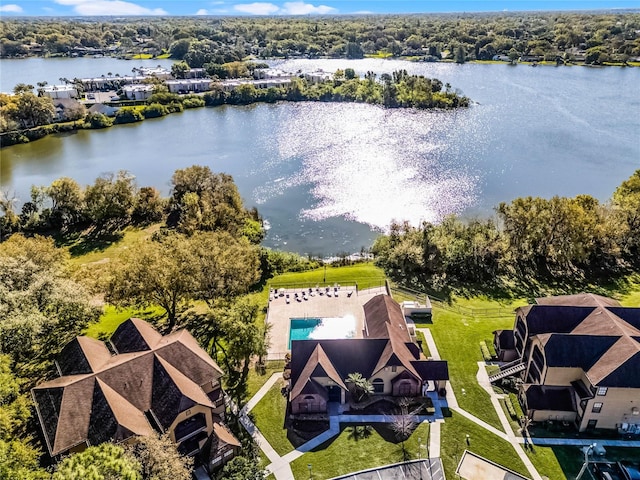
(113, 317)
(457, 338)
(366, 275)
(256, 380)
(357, 448)
(269, 418)
(481, 442)
(564, 462)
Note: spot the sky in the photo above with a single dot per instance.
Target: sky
(297, 7)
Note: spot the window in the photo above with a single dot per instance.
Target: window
(378, 385)
(597, 407)
(602, 391)
(394, 369)
(591, 424)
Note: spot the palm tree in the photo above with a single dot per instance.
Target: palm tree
(361, 386)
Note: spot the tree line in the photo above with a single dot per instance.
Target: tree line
(24, 110)
(558, 241)
(604, 37)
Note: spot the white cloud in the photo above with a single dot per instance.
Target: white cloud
(202, 11)
(11, 8)
(288, 8)
(301, 8)
(257, 8)
(109, 7)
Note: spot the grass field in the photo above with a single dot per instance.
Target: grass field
(256, 380)
(359, 448)
(366, 275)
(564, 462)
(269, 418)
(481, 441)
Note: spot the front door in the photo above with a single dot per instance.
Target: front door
(334, 394)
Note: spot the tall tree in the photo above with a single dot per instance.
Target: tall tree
(111, 198)
(159, 459)
(241, 339)
(102, 462)
(162, 272)
(67, 199)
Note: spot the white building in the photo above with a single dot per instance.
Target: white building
(271, 73)
(318, 76)
(137, 92)
(158, 72)
(189, 85)
(60, 91)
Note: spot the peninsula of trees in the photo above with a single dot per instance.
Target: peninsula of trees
(25, 116)
(591, 38)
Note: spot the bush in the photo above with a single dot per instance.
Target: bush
(128, 115)
(175, 107)
(98, 120)
(515, 404)
(193, 102)
(510, 410)
(154, 110)
(485, 352)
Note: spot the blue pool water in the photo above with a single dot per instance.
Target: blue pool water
(321, 328)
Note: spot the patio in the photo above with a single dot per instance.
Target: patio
(348, 302)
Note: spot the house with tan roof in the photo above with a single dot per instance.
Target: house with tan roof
(581, 359)
(386, 356)
(138, 383)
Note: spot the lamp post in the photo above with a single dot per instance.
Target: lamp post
(309, 467)
(587, 450)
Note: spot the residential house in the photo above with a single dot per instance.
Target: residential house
(138, 92)
(189, 85)
(138, 383)
(68, 109)
(386, 356)
(59, 91)
(581, 358)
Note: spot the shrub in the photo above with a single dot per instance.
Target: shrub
(510, 410)
(128, 115)
(485, 351)
(193, 102)
(154, 110)
(98, 120)
(515, 404)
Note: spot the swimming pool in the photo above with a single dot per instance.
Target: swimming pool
(321, 328)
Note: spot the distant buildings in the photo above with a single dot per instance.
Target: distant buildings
(581, 359)
(138, 383)
(57, 92)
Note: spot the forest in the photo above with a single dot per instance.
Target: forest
(592, 38)
(533, 246)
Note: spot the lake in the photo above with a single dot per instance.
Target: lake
(329, 177)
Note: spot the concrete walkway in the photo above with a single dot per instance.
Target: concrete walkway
(483, 380)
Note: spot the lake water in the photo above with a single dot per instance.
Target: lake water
(329, 177)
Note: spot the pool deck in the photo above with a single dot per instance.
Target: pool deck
(317, 306)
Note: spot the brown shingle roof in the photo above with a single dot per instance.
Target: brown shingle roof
(318, 358)
(590, 332)
(165, 377)
(387, 343)
(579, 300)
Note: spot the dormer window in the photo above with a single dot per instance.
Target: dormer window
(602, 391)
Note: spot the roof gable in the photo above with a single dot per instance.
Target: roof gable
(83, 355)
(134, 335)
